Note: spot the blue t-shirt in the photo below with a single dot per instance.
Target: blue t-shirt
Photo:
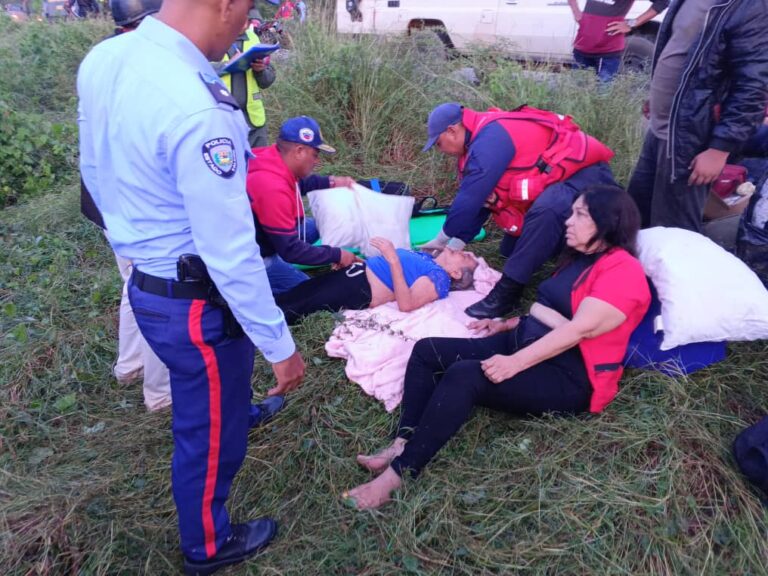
(415, 265)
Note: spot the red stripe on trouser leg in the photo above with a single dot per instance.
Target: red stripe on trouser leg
(214, 407)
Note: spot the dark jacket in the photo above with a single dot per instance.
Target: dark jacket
(728, 66)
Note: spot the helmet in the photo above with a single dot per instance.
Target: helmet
(127, 12)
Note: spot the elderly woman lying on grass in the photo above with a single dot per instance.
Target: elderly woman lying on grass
(412, 279)
(565, 356)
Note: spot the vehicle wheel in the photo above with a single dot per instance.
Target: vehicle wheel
(432, 42)
(638, 54)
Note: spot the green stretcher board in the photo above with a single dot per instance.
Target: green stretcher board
(427, 226)
(423, 229)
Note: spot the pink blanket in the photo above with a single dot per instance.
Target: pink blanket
(377, 342)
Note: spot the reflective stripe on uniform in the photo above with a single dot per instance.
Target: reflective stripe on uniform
(214, 430)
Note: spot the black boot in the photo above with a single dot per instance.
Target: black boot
(246, 540)
(501, 300)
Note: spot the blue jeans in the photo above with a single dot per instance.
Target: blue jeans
(284, 276)
(606, 67)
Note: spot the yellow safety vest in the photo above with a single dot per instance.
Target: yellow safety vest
(255, 106)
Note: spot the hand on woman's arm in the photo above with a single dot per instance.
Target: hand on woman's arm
(489, 327)
(593, 318)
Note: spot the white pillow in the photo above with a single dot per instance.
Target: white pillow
(706, 293)
(349, 218)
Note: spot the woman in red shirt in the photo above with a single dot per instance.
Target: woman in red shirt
(565, 356)
(600, 40)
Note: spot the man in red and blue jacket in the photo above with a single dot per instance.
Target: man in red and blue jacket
(278, 177)
(490, 149)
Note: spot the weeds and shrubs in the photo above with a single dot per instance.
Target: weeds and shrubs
(37, 103)
(40, 63)
(609, 113)
(371, 95)
(36, 153)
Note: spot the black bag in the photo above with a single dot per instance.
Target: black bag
(386, 187)
(428, 206)
(752, 242)
(423, 206)
(751, 452)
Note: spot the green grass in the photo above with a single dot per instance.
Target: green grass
(648, 487)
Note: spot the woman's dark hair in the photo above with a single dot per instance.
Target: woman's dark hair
(615, 215)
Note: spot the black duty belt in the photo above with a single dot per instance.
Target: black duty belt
(197, 290)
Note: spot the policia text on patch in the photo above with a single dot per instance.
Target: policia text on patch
(219, 156)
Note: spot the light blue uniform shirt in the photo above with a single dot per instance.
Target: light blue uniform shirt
(165, 158)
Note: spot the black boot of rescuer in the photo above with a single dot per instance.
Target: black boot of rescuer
(501, 300)
(246, 540)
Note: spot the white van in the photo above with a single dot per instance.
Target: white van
(539, 30)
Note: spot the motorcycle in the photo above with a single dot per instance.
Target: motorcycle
(272, 32)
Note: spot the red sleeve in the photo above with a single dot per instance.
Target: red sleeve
(275, 210)
(276, 213)
(621, 283)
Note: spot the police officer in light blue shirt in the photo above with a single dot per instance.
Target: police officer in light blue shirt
(164, 153)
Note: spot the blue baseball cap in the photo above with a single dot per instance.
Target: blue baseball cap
(440, 118)
(304, 130)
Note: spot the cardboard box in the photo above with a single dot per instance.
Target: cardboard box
(723, 231)
(717, 207)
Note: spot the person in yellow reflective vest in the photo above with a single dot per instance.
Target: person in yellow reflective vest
(246, 87)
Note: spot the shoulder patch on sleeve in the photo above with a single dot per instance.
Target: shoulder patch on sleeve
(219, 91)
(219, 156)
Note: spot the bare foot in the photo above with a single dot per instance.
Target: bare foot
(376, 492)
(378, 462)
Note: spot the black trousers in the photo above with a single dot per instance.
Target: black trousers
(544, 227)
(444, 381)
(346, 288)
(661, 201)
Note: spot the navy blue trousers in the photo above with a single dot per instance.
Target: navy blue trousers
(211, 391)
(544, 226)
